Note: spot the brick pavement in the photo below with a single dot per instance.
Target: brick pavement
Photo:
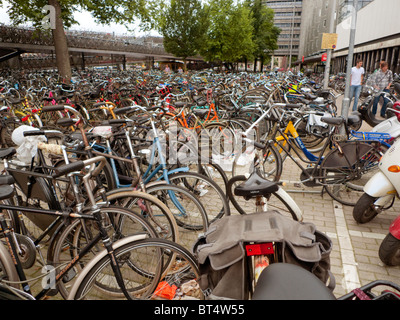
(355, 261)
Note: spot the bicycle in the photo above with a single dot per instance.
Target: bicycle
(94, 215)
(340, 171)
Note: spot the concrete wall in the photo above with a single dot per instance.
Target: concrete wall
(378, 20)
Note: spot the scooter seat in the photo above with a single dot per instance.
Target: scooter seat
(256, 186)
(284, 281)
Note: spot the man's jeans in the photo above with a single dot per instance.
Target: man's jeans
(355, 92)
(385, 102)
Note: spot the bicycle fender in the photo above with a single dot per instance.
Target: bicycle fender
(379, 186)
(289, 200)
(98, 257)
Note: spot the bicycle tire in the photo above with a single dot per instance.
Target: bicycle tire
(338, 176)
(76, 236)
(312, 142)
(206, 190)
(193, 221)
(271, 165)
(8, 272)
(208, 168)
(279, 201)
(155, 260)
(162, 220)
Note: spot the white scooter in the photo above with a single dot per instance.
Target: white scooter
(381, 190)
(391, 125)
(380, 193)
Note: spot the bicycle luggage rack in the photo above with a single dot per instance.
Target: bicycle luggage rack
(370, 136)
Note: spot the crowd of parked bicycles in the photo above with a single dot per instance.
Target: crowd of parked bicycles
(109, 180)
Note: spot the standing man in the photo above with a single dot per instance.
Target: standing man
(357, 80)
(383, 80)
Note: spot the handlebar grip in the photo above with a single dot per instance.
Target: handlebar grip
(68, 168)
(34, 133)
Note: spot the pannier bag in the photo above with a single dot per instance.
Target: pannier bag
(222, 256)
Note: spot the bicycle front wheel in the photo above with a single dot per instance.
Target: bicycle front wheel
(119, 222)
(147, 267)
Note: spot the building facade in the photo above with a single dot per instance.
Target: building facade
(288, 19)
(316, 20)
(377, 37)
(317, 16)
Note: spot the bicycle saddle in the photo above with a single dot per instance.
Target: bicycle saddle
(6, 192)
(200, 113)
(256, 186)
(284, 281)
(7, 153)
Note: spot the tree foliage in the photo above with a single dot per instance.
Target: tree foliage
(183, 27)
(230, 35)
(104, 12)
(265, 34)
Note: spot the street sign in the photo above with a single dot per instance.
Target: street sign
(324, 57)
(329, 41)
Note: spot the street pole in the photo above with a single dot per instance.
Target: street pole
(347, 99)
(291, 36)
(330, 51)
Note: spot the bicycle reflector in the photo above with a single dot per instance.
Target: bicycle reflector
(394, 169)
(259, 249)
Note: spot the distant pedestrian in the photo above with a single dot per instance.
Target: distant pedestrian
(383, 80)
(357, 80)
(167, 69)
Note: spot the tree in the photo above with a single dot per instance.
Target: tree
(105, 12)
(230, 35)
(184, 27)
(265, 34)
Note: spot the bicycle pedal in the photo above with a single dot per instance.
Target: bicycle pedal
(52, 292)
(69, 276)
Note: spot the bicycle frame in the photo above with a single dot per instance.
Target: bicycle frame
(94, 216)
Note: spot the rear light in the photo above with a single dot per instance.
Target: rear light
(394, 169)
(259, 249)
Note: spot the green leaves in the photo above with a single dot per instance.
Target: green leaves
(104, 11)
(183, 27)
(230, 35)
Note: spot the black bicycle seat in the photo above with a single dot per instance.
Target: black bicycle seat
(6, 192)
(256, 186)
(7, 153)
(284, 281)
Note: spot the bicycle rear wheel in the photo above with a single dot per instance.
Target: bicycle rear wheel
(147, 266)
(341, 177)
(279, 201)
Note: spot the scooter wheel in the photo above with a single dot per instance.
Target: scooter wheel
(389, 251)
(364, 211)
